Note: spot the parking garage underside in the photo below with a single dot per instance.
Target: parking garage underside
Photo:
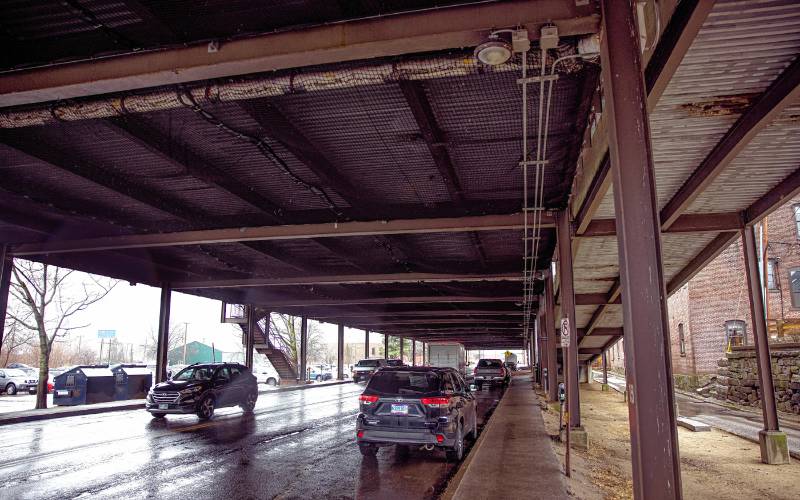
(368, 172)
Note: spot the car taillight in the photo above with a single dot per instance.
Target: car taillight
(436, 402)
(360, 434)
(439, 438)
(475, 371)
(368, 399)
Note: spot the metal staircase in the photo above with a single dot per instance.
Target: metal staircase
(275, 350)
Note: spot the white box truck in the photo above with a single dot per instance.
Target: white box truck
(448, 354)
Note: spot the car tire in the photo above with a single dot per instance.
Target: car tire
(272, 382)
(249, 404)
(456, 453)
(205, 410)
(368, 450)
(158, 416)
(32, 390)
(11, 389)
(479, 385)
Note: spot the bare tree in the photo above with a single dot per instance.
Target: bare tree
(175, 338)
(285, 331)
(49, 297)
(16, 336)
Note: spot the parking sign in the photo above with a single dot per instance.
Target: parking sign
(564, 332)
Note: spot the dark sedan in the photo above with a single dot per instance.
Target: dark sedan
(426, 407)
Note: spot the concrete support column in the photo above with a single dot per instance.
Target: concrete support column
(340, 354)
(654, 444)
(6, 264)
(774, 448)
(303, 349)
(163, 333)
(366, 344)
(249, 341)
(413, 352)
(550, 333)
(385, 346)
(567, 295)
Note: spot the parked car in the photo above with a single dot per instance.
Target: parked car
(491, 371)
(201, 388)
(395, 362)
(416, 406)
(28, 369)
(319, 373)
(13, 380)
(266, 374)
(364, 369)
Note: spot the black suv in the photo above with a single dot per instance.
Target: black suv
(416, 406)
(199, 388)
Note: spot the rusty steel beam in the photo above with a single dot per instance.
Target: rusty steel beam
(602, 332)
(568, 301)
(349, 279)
(701, 260)
(285, 232)
(6, 264)
(654, 436)
(673, 44)
(384, 36)
(787, 189)
(783, 92)
(436, 299)
(440, 321)
(591, 202)
(687, 223)
(335, 317)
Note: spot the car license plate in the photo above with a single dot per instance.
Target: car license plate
(399, 409)
(163, 406)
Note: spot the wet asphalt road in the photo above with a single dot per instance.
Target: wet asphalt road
(298, 444)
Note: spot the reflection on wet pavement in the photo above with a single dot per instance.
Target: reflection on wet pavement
(297, 444)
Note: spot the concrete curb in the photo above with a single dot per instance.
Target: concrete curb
(455, 481)
(62, 411)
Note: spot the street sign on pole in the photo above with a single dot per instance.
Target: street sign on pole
(106, 334)
(564, 332)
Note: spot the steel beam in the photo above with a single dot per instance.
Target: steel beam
(366, 344)
(701, 260)
(285, 232)
(349, 279)
(591, 202)
(422, 313)
(783, 92)
(6, 265)
(687, 223)
(441, 321)
(601, 331)
(425, 299)
(760, 333)
(385, 346)
(654, 444)
(402, 340)
(303, 349)
(383, 36)
(567, 296)
(787, 189)
(550, 333)
(252, 325)
(162, 346)
(340, 353)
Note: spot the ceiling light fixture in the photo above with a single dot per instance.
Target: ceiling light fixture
(494, 51)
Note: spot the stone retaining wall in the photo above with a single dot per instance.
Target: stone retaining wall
(738, 379)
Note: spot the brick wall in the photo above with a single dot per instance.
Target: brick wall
(678, 305)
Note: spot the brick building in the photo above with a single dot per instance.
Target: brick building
(712, 311)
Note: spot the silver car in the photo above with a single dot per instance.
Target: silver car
(13, 381)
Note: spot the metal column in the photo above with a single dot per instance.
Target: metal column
(402, 340)
(163, 333)
(6, 264)
(654, 444)
(760, 331)
(567, 295)
(413, 352)
(252, 325)
(366, 344)
(303, 349)
(385, 346)
(340, 354)
(551, 341)
(605, 368)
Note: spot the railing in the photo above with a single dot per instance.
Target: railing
(275, 341)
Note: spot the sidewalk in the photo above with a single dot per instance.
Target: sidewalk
(513, 457)
(17, 417)
(742, 423)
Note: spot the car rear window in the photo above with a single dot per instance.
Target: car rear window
(404, 383)
(367, 362)
(490, 363)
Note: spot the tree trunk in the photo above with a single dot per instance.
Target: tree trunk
(44, 369)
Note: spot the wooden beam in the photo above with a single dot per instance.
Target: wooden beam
(286, 232)
(383, 36)
(783, 92)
